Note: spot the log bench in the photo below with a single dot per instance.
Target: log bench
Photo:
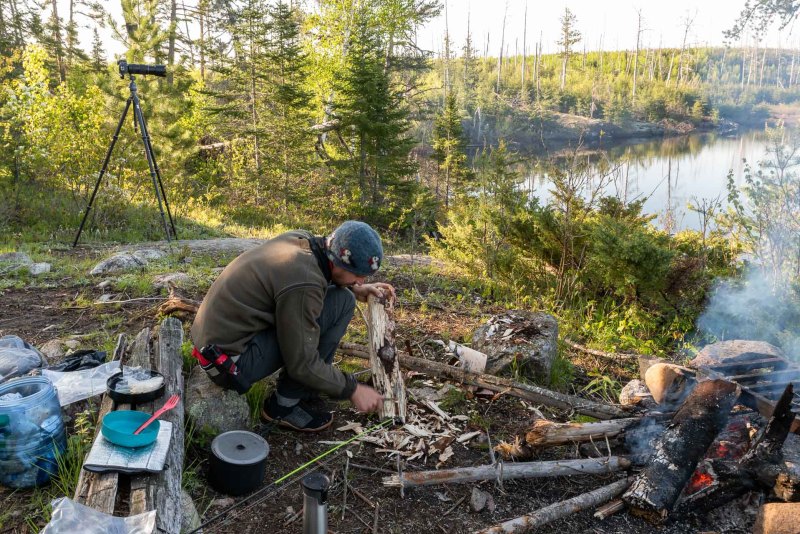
(125, 495)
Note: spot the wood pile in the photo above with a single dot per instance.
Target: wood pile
(698, 450)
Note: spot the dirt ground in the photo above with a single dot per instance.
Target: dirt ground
(40, 314)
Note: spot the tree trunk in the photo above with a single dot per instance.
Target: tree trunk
(679, 449)
(502, 43)
(62, 69)
(386, 374)
(173, 29)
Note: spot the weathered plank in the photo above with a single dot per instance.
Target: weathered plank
(386, 374)
(99, 490)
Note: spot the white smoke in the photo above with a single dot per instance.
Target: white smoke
(754, 307)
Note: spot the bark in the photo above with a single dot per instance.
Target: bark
(678, 450)
(503, 385)
(386, 374)
(509, 471)
(560, 509)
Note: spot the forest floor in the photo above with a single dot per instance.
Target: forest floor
(431, 306)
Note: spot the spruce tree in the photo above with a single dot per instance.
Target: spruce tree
(449, 149)
(569, 36)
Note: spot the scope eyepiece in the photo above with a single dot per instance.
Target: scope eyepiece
(134, 68)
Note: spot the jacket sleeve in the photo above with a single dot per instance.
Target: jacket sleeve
(296, 325)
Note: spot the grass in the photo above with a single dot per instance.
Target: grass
(256, 396)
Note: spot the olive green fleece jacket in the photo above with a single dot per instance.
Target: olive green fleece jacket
(279, 284)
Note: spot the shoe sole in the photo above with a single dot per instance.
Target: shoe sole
(280, 422)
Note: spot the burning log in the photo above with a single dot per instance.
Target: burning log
(502, 385)
(413, 479)
(678, 450)
(559, 509)
(386, 374)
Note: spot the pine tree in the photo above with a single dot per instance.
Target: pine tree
(98, 53)
(374, 121)
(449, 149)
(469, 58)
(288, 136)
(569, 36)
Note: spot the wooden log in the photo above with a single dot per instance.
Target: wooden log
(386, 374)
(99, 490)
(162, 491)
(678, 450)
(546, 433)
(528, 392)
(508, 471)
(560, 509)
(600, 353)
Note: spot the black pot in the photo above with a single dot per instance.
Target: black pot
(237, 463)
(133, 398)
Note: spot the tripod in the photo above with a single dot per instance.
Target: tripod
(155, 173)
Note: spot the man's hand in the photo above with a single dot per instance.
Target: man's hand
(378, 289)
(366, 399)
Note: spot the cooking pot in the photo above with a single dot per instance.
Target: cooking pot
(237, 463)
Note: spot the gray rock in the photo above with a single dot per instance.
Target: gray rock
(190, 519)
(53, 349)
(16, 258)
(213, 408)
(521, 340)
(635, 393)
(176, 279)
(480, 500)
(105, 297)
(222, 503)
(116, 263)
(734, 350)
(38, 268)
(148, 254)
(104, 284)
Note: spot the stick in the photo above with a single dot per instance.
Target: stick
(609, 509)
(456, 505)
(602, 354)
(524, 391)
(560, 509)
(588, 466)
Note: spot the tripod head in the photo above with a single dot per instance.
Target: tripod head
(134, 68)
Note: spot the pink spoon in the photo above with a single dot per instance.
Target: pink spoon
(170, 404)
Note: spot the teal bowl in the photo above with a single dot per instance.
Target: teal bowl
(119, 427)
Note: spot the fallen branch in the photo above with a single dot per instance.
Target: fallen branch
(590, 466)
(494, 383)
(560, 509)
(600, 353)
(546, 433)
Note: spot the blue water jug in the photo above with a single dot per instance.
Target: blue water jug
(31, 432)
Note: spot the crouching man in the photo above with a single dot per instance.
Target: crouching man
(286, 304)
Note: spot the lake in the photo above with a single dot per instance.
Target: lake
(672, 172)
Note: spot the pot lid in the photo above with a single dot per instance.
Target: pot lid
(240, 447)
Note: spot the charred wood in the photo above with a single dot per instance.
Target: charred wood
(678, 450)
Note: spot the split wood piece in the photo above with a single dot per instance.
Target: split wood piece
(560, 509)
(678, 450)
(386, 374)
(602, 354)
(99, 490)
(546, 433)
(607, 510)
(504, 385)
(162, 491)
(502, 471)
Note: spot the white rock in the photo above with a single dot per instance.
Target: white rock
(118, 262)
(148, 254)
(39, 268)
(104, 284)
(176, 279)
(53, 349)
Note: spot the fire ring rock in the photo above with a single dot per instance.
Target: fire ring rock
(519, 341)
(734, 350)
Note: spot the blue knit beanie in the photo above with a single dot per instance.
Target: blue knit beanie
(355, 247)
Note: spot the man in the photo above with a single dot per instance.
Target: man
(287, 303)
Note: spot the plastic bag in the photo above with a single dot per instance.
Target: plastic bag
(69, 517)
(80, 360)
(73, 386)
(17, 357)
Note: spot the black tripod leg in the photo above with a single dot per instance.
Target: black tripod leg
(137, 110)
(158, 176)
(102, 170)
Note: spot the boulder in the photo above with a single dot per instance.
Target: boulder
(519, 340)
(176, 279)
(212, 408)
(734, 350)
(53, 349)
(19, 259)
(126, 261)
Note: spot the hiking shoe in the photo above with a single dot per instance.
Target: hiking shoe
(298, 417)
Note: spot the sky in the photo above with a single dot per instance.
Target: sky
(612, 21)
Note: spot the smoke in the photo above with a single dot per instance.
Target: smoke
(754, 307)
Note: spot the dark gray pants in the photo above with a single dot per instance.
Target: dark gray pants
(262, 355)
